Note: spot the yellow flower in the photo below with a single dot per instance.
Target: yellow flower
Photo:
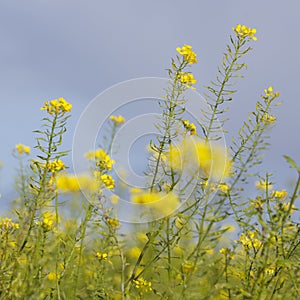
(227, 252)
(263, 185)
(56, 166)
(53, 276)
(114, 199)
(7, 224)
(223, 187)
(269, 93)
(243, 32)
(211, 159)
(249, 240)
(188, 54)
(113, 222)
(117, 119)
(280, 194)
(188, 267)
(57, 106)
(160, 202)
(143, 284)
(187, 78)
(189, 127)
(108, 181)
(22, 149)
(269, 119)
(134, 252)
(103, 160)
(102, 256)
(68, 183)
(48, 220)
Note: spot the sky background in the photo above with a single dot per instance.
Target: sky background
(77, 49)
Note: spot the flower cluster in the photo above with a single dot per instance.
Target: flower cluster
(56, 166)
(108, 181)
(57, 106)
(47, 221)
(113, 222)
(187, 79)
(188, 54)
(6, 224)
(68, 183)
(269, 93)
(101, 256)
(143, 284)
(103, 160)
(22, 149)
(244, 32)
(117, 119)
(279, 194)
(249, 241)
(212, 159)
(190, 127)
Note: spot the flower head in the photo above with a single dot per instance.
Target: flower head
(102, 159)
(108, 181)
(143, 284)
(117, 119)
(57, 106)
(187, 78)
(190, 127)
(188, 54)
(243, 32)
(22, 149)
(56, 166)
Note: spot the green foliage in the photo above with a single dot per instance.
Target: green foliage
(56, 245)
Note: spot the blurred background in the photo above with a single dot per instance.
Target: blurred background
(76, 49)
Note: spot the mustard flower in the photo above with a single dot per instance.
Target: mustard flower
(223, 187)
(6, 224)
(188, 54)
(160, 202)
(68, 183)
(102, 159)
(280, 194)
(187, 78)
(56, 166)
(108, 181)
(113, 222)
(190, 127)
(243, 32)
(53, 276)
(48, 219)
(269, 93)
(263, 185)
(268, 119)
(22, 149)
(143, 284)
(56, 106)
(134, 252)
(101, 256)
(117, 119)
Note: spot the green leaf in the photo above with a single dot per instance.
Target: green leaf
(290, 161)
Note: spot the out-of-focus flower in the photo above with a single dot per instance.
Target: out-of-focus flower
(22, 149)
(117, 119)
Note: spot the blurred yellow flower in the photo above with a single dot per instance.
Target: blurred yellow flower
(190, 127)
(7, 224)
(117, 119)
(22, 149)
(263, 185)
(160, 202)
(280, 194)
(53, 276)
(134, 252)
(68, 183)
(103, 160)
(113, 222)
(143, 284)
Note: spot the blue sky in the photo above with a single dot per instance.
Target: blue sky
(76, 49)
